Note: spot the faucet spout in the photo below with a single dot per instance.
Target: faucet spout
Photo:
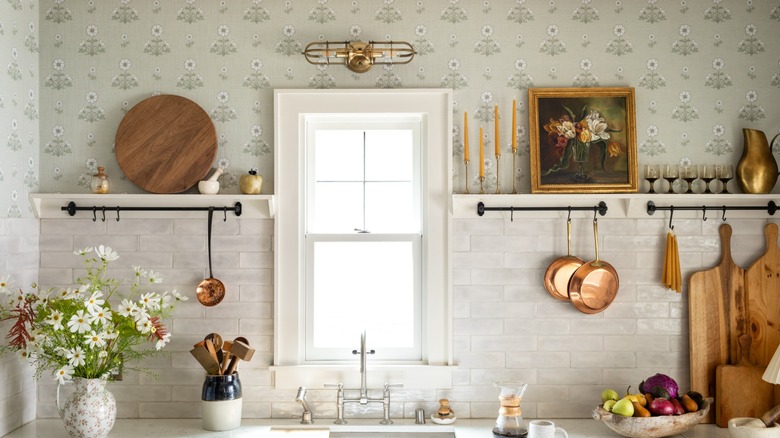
(363, 352)
(300, 397)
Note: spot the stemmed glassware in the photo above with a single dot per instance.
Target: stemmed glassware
(707, 174)
(725, 172)
(671, 173)
(651, 175)
(689, 174)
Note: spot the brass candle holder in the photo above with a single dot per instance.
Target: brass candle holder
(498, 179)
(467, 177)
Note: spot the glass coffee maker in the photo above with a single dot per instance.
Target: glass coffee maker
(510, 421)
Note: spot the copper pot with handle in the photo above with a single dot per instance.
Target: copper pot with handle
(559, 272)
(594, 285)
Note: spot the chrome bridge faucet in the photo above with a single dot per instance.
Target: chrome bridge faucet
(363, 398)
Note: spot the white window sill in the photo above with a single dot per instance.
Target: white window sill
(411, 376)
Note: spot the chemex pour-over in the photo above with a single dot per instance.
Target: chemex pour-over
(510, 421)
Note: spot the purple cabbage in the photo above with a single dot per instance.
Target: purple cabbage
(661, 380)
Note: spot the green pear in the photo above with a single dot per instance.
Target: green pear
(623, 407)
(609, 404)
(609, 394)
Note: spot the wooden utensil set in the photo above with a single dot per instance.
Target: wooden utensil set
(220, 357)
(734, 317)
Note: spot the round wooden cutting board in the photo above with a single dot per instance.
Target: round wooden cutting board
(166, 144)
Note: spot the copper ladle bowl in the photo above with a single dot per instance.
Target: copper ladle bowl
(210, 291)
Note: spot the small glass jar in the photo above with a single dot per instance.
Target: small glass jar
(100, 183)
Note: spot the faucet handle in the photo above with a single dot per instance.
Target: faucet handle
(334, 385)
(393, 385)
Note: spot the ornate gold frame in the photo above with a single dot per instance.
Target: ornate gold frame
(622, 175)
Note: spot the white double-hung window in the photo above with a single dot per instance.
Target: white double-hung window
(363, 264)
(362, 191)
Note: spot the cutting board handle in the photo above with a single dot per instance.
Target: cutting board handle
(725, 243)
(745, 341)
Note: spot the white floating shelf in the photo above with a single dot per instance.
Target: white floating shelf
(49, 205)
(619, 205)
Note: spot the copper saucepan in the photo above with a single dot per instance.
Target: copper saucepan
(210, 291)
(556, 278)
(593, 285)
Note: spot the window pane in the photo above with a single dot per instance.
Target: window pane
(389, 155)
(338, 207)
(390, 208)
(338, 155)
(363, 286)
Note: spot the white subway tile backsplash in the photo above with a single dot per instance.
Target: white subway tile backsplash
(475, 326)
(503, 343)
(137, 227)
(495, 310)
(531, 326)
(506, 324)
(477, 260)
(538, 359)
(629, 342)
(598, 359)
(577, 342)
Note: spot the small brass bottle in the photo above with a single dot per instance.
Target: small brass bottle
(100, 183)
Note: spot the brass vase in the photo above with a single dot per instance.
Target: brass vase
(757, 168)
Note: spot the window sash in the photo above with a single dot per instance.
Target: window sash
(412, 353)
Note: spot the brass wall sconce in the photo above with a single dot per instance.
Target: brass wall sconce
(359, 56)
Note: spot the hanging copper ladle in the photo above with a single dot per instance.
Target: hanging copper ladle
(210, 291)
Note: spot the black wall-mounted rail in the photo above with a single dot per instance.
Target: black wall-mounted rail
(770, 208)
(601, 208)
(72, 208)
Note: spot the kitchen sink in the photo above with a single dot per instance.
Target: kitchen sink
(392, 434)
(358, 431)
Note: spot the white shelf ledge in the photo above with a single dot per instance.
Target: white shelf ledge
(49, 205)
(619, 205)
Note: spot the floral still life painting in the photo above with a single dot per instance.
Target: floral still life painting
(90, 330)
(583, 140)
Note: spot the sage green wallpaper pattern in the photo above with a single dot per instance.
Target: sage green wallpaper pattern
(702, 70)
(19, 108)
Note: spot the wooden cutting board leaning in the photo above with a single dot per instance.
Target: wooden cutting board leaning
(740, 391)
(762, 282)
(717, 315)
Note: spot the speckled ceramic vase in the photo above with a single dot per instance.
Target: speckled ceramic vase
(90, 411)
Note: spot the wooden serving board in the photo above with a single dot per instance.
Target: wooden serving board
(740, 390)
(762, 281)
(717, 315)
(166, 144)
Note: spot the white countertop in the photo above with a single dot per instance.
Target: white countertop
(463, 428)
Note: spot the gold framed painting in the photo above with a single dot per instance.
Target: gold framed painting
(582, 140)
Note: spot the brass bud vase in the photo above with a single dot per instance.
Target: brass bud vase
(757, 168)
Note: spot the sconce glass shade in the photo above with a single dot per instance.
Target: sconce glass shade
(772, 372)
(359, 56)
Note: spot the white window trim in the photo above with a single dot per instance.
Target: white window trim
(290, 107)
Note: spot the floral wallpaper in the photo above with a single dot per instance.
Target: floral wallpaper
(702, 70)
(19, 106)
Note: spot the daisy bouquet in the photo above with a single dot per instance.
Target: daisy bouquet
(75, 332)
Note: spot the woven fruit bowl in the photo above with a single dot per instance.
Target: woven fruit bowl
(651, 427)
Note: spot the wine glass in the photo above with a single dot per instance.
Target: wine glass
(690, 174)
(725, 173)
(651, 175)
(671, 173)
(707, 174)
